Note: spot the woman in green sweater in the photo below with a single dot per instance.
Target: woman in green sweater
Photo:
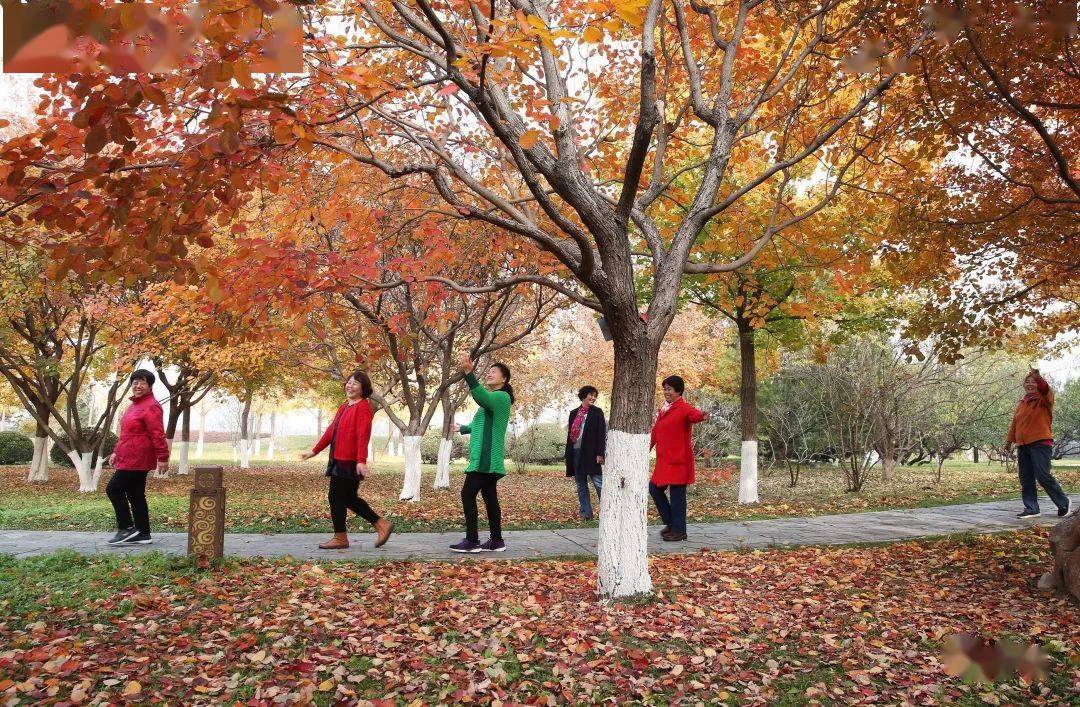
(488, 431)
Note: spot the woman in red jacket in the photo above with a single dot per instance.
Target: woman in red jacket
(674, 458)
(348, 436)
(141, 448)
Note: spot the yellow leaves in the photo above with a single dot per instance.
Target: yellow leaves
(528, 139)
(632, 12)
(593, 35)
(132, 688)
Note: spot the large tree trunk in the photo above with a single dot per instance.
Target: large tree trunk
(748, 467)
(622, 553)
(410, 487)
(89, 472)
(184, 466)
(39, 463)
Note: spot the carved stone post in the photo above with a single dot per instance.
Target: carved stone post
(206, 517)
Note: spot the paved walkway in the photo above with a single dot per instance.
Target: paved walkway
(877, 526)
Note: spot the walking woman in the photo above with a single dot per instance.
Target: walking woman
(1031, 432)
(671, 435)
(585, 439)
(488, 430)
(140, 449)
(348, 436)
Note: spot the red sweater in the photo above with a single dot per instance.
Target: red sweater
(354, 431)
(674, 451)
(142, 436)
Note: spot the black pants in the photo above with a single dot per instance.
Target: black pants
(343, 497)
(484, 484)
(127, 491)
(1033, 464)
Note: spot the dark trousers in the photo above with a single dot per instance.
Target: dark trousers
(483, 484)
(343, 497)
(1033, 464)
(672, 511)
(127, 491)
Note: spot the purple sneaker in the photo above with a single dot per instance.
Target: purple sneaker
(466, 545)
(493, 546)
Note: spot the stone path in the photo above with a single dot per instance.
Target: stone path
(877, 526)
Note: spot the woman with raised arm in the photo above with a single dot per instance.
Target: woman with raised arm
(486, 466)
(348, 436)
(674, 471)
(1033, 437)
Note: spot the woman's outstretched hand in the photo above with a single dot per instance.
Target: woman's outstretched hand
(466, 363)
(306, 455)
(456, 428)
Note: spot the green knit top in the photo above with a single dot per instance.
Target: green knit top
(488, 428)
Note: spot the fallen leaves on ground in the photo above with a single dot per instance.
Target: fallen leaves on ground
(812, 625)
(292, 497)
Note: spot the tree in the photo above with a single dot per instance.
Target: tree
(518, 116)
(1067, 419)
(993, 222)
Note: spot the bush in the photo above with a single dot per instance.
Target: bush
(58, 457)
(429, 447)
(15, 448)
(543, 443)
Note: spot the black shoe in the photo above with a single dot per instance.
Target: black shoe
(138, 538)
(122, 535)
(466, 545)
(493, 546)
(675, 537)
(1062, 512)
(1029, 514)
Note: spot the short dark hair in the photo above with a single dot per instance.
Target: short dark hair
(143, 375)
(677, 384)
(365, 382)
(585, 391)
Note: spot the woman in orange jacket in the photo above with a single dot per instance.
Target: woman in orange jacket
(1031, 433)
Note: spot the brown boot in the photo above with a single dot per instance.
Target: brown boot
(340, 541)
(383, 528)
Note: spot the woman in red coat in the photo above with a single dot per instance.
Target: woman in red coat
(140, 449)
(347, 436)
(674, 458)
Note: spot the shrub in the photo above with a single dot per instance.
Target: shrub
(58, 457)
(15, 448)
(542, 443)
(429, 446)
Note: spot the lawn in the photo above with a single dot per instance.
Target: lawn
(803, 626)
(291, 497)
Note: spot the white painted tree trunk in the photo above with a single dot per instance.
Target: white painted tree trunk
(622, 561)
(245, 454)
(370, 451)
(748, 476)
(410, 487)
(89, 475)
(185, 463)
(442, 471)
(39, 464)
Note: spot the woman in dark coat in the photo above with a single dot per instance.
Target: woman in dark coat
(586, 436)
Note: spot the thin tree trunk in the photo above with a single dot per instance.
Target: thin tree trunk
(410, 486)
(273, 435)
(202, 430)
(245, 434)
(748, 466)
(39, 463)
(446, 445)
(258, 433)
(185, 441)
